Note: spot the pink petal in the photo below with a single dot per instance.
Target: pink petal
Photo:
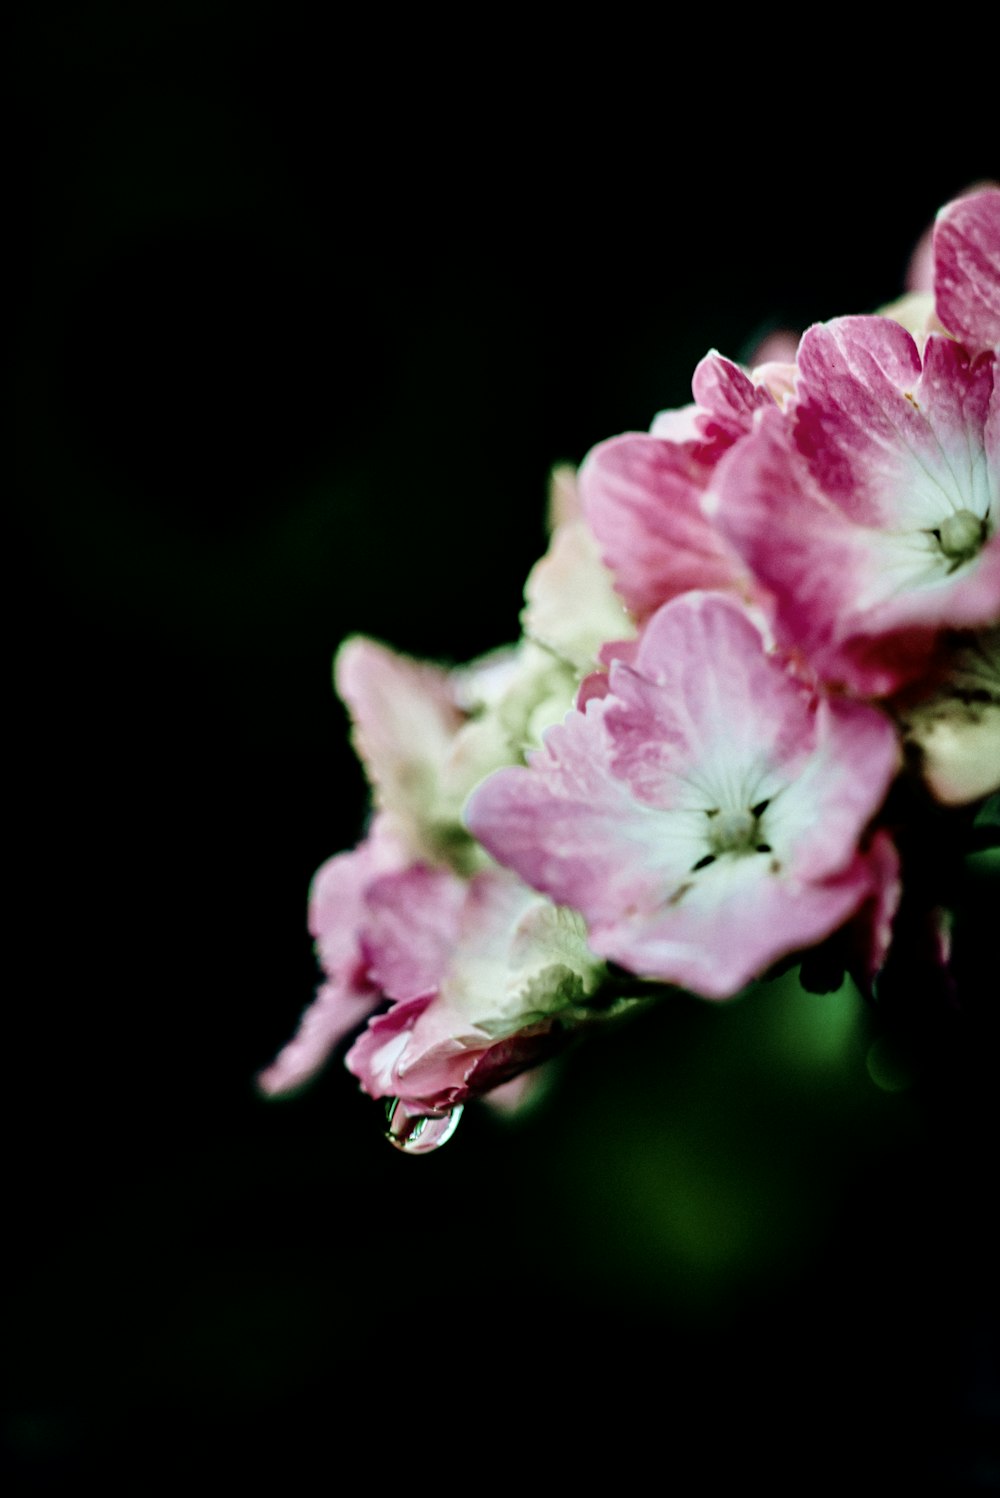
(374, 1056)
(338, 912)
(404, 719)
(967, 268)
(412, 923)
(731, 927)
(871, 931)
(643, 500)
(856, 423)
(337, 908)
(337, 1009)
(728, 399)
(671, 713)
(571, 829)
(433, 1070)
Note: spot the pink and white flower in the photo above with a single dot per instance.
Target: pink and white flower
(869, 510)
(484, 974)
(680, 767)
(707, 816)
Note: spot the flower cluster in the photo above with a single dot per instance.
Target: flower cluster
(766, 633)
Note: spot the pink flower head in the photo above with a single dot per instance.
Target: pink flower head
(869, 510)
(719, 596)
(706, 816)
(483, 974)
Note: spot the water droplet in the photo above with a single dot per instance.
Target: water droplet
(419, 1133)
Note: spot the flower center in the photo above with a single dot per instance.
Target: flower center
(960, 535)
(733, 832)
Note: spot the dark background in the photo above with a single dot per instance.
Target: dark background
(300, 320)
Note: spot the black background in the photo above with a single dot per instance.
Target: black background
(300, 320)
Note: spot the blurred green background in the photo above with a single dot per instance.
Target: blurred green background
(301, 318)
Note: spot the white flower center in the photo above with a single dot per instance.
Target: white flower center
(733, 832)
(960, 535)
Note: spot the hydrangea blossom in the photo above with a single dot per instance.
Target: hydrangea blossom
(882, 480)
(762, 645)
(706, 816)
(480, 973)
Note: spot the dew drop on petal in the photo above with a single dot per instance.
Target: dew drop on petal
(419, 1133)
